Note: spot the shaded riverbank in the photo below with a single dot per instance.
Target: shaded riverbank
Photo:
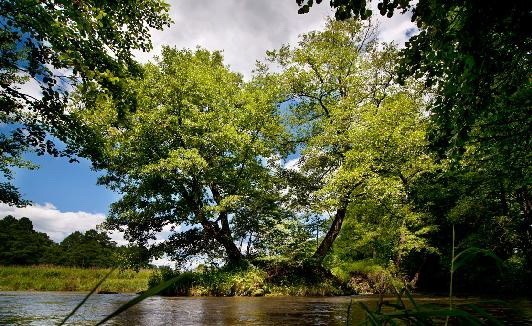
(56, 278)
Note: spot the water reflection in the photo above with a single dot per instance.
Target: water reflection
(48, 308)
(37, 308)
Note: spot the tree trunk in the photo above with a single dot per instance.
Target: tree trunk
(234, 255)
(333, 232)
(222, 235)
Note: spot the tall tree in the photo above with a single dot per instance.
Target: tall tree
(46, 47)
(337, 81)
(476, 57)
(192, 157)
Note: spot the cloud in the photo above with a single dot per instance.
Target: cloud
(293, 164)
(244, 30)
(57, 224)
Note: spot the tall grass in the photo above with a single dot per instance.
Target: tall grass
(56, 278)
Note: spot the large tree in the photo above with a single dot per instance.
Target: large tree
(46, 47)
(344, 107)
(475, 55)
(193, 157)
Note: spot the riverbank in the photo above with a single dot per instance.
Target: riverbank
(249, 281)
(57, 278)
(220, 282)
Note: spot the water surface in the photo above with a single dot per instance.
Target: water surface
(48, 308)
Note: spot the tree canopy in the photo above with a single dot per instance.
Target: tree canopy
(47, 47)
(193, 157)
(474, 56)
(360, 134)
(340, 155)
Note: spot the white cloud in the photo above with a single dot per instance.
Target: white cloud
(244, 30)
(293, 164)
(57, 224)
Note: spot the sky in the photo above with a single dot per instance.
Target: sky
(65, 195)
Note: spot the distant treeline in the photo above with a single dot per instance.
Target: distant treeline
(20, 244)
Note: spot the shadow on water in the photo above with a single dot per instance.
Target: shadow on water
(48, 308)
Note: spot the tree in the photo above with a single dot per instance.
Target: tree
(192, 158)
(475, 57)
(89, 249)
(20, 244)
(361, 135)
(51, 45)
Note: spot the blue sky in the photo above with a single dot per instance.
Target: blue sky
(68, 186)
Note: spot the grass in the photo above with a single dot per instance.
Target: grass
(217, 282)
(56, 278)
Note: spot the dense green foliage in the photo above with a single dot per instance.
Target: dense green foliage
(191, 155)
(21, 245)
(245, 280)
(368, 195)
(474, 56)
(341, 160)
(51, 45)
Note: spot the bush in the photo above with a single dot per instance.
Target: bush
(280, 278)
(227, 281)
(369, 277)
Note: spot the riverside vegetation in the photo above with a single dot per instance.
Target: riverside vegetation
(367, 202)
(341, 164)
(60, 278)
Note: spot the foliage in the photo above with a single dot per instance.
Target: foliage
(361, 135)
(475, 57)
(369, 276)
(89, 249)
(194, 156)
(20, 244)
(50, 45)
(485, 216)
(243, 281)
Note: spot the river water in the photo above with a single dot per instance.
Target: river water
(48, 308)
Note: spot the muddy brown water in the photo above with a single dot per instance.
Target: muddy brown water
(49, 308)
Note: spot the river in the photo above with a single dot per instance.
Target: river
(48, 308)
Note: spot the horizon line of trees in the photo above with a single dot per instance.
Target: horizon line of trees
(20, 244)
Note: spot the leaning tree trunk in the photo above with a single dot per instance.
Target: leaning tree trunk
(326, 244)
